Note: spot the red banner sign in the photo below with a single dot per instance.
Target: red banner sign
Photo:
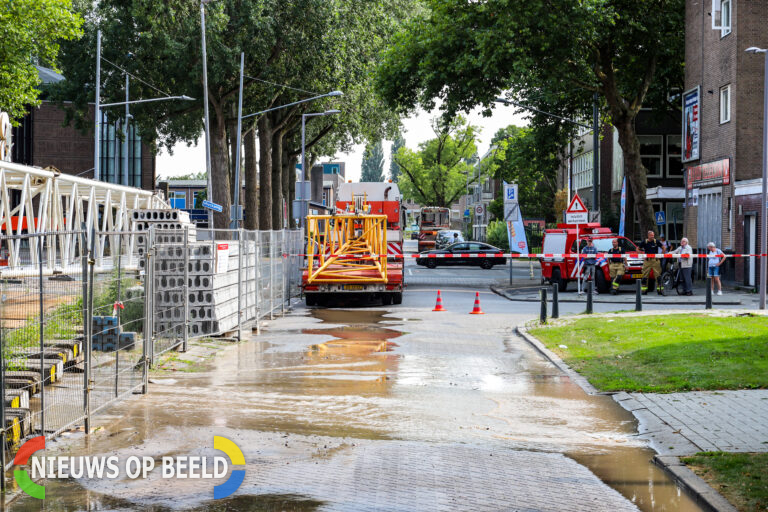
(712, 173)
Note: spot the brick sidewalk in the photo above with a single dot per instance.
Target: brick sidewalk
(686, 423)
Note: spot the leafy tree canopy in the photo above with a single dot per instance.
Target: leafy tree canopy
(529, 158)
(551, 54)
(373, 163)
(394, 168)
(438, 173)
(31, 31)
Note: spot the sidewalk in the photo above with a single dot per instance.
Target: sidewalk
(530, 293)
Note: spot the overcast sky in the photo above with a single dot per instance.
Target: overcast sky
(417, 129)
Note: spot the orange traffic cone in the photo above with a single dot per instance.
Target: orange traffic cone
(476, 310)
(439, 303)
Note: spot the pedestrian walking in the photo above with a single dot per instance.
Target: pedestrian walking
(615, 265)
(651, 246)
(686, 265)
(589, 265)
(715, 258)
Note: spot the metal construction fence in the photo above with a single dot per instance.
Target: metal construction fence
(77, 334)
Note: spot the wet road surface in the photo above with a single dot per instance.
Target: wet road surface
(378, 408)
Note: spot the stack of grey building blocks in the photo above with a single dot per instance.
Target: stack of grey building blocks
(214, 296)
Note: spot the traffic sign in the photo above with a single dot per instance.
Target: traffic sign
(511, 211)
(576, 213)
(661, 219)
(510, 193)
(212, 206)
(479, 209)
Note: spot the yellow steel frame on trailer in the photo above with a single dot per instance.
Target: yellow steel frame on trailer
(347, 248)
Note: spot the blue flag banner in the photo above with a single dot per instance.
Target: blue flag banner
(516, 234)
(623, 206)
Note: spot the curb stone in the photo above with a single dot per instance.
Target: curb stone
(502, 291)
(699, 490)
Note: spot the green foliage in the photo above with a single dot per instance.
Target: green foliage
(373, 163)
(394, 168)
(436, 174)
(741, 477)
(552, 54)
(106, 294)
(529, 157)
(673, 353)
(61, 323)
(497, 234)
(31, 31)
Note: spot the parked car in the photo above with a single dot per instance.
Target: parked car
(446, 237)
(463, 253)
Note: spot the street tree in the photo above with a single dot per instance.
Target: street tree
(285, 60)
(552, 53)
(529, 158)
(373, 163)
(31, 32)
(394, 168)
(438, 173)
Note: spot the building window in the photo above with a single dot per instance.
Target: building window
(725, 18)
(674, 152)
(725, 104)
(651, 153)
(178, 199)
(112, 160)
(582, 171)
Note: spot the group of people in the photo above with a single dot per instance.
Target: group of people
(617, 263)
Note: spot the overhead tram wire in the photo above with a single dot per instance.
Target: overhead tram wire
(282, 85)
(135, 77)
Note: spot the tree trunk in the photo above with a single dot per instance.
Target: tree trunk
(277, 180)
(251, 201)
(290, 171)
(265, 174)
(286, 177)
(636, 173)
(220, 184)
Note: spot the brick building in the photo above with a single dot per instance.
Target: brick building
(42, 140)
(724, 87)
(660, 150)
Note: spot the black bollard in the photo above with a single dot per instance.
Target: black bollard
(589, 297)
(543, 315)
(555, 301)
(638, 295)
(708, 301)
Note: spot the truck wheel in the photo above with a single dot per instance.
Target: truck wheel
(386, 299)
(486, 264)
(431, 264)
(601, 282)
(397, 298)
(310, 300)
(562, 284)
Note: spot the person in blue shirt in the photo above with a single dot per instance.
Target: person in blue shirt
(715, 258)
(589, 265)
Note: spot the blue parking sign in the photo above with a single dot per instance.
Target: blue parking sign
(661, 219)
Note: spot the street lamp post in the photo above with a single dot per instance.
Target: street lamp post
(209, 192)
(305, 200)
(764, 196)
(234, 218)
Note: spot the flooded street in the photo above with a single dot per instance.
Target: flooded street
(379, 409)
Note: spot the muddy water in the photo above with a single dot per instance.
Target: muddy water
(306, 404)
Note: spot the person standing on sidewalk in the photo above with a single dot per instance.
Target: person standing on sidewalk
(665, 248)
(715, 258)
(651, 246)
(589, 265)
(686, 265)
(615, 266)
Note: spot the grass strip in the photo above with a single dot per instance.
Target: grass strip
(664, 353)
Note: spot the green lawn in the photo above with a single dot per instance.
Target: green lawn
(664, 353)
(741, 477)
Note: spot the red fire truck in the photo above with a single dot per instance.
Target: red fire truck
(565, 267)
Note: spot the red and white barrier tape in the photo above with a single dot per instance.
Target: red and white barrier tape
(630, 255)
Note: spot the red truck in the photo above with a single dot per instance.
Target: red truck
(564, 267)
